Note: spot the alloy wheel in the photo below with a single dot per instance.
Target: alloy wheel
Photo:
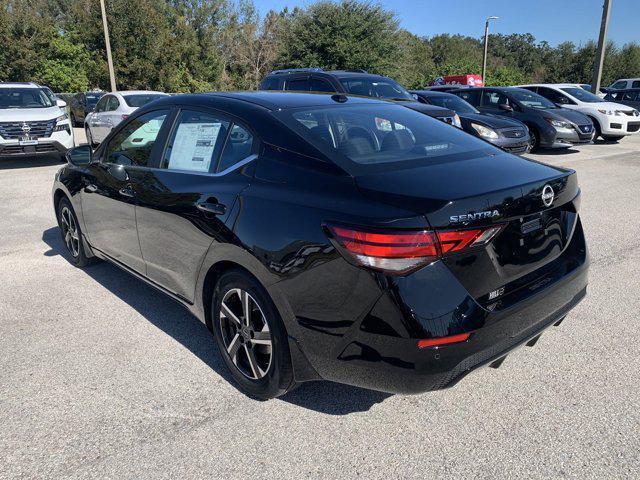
(70, 231)
(245, 333)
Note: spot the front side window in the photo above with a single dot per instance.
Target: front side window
(471, 96)
(376, 88)
(365, 138)
(555, 96)
(319, 85)
(133, 144)
(493, 99)
(196, 142)
(24, 98)
(619, 85)
(582, 95)
(531, 99)
(452, 102)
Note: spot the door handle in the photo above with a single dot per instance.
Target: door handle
(91, 188)
(126, 192)
(215, 208)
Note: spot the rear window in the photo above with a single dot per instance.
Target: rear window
(138, 100)
(367, 138)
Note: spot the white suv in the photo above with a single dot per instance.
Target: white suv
(31, 123)
(611, 120)
(625, 83)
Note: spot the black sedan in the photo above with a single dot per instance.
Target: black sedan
(509, 134)
(324, 237)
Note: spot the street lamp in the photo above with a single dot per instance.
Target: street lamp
(486, 45)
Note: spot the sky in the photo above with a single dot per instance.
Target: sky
(555, 21)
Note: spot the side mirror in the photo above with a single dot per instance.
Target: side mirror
(79, 156)
(61, 103)
(505, 107)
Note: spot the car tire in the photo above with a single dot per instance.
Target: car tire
(256, 351)
(596, 126)
(611, 138)
(71, 233)
(534, 139)
(74, 121)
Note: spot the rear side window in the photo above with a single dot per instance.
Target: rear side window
(102, 104)
(298, 85)
(473, 97)
(270, 83)
(133, 144)
(112, 104)
(138, 100)
(238, 146)
(366, 138)
(196, 142)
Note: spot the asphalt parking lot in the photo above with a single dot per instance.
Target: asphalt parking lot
(103, 377)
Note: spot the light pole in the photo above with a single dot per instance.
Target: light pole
(597, 67)
(112, 75)
(486, 46)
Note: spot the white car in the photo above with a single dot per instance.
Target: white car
(611, 120)
(31, 124)
(112, 109)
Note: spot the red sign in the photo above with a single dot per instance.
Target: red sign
(472, 80)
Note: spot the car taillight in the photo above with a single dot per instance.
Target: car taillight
(401, 251)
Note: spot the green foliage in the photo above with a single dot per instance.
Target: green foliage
(346, 35)
(200, 45)
(63, 68)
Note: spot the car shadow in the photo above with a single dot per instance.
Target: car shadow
(556, 151)
(176, 321)
(29, 162)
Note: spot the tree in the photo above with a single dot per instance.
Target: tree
(63, 68)
(345, 35)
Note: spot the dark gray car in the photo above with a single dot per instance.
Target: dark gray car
(630, 97)
(549, 126)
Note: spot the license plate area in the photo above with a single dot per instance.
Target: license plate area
(27, 141)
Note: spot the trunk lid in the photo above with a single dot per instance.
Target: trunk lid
(491, 189)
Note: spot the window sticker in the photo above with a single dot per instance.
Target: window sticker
(193, 146)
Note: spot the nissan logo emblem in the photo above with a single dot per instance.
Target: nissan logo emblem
(547, 195)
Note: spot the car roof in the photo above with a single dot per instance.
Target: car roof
(19, 85)
(556, 85)
(285, 100)
(125, 93)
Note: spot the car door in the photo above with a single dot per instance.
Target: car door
(98, 119)
(111, 182)
(185, 202)
(111, 117)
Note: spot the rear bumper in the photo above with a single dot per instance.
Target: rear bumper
(380, 350)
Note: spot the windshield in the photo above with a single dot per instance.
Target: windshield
(139, 100)
(377, 87)
(92, 98)
(531, 99)
(452, 102)
(24, 98)
(583, 95)
(367, 138)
